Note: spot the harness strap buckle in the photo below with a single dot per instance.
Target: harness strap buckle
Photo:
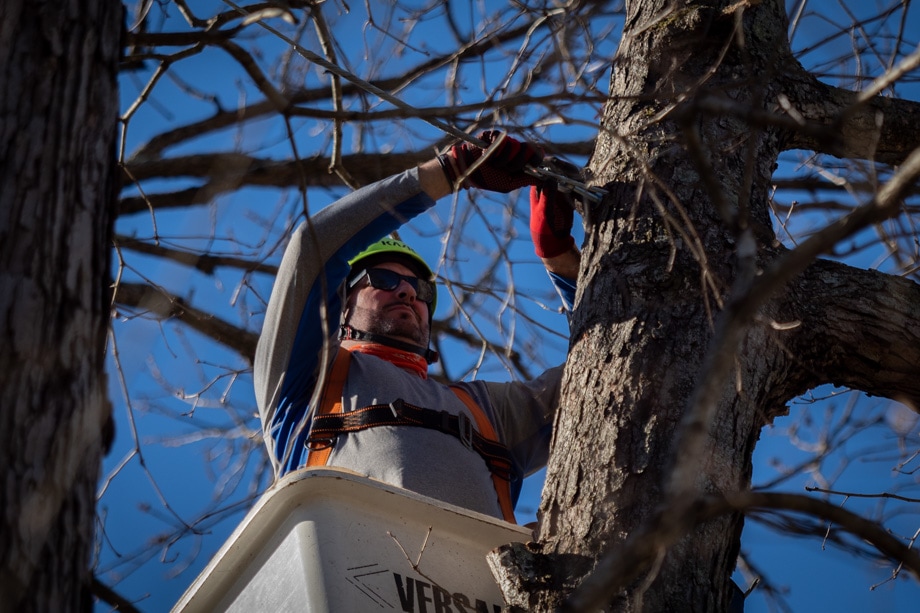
(465, 430)
(317, 443)
(396, 407)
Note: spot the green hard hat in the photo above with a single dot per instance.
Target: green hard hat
(389, 249)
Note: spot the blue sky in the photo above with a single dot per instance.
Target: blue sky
(164, 367)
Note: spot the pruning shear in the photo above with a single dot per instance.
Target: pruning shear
(568, 178)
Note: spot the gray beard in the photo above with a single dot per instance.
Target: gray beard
(373, 323)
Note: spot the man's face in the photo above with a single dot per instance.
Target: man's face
(396, 313)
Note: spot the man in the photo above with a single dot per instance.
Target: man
(357, 395)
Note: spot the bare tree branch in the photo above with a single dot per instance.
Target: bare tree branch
(862, 333)
(534, 70)
(227, 172)
(626, 563)
(225, 119)
(204, 262)
(817, 183)
(166, 306)
(110, 596)
(880, 128)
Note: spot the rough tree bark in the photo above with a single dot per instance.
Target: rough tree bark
(58, 110)
(688, 146)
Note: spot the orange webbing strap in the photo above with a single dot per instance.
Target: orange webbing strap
(331, 403)
(502, 486)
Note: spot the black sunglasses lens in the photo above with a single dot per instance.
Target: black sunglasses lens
(424, 290)
(387, 280)
(380, 278)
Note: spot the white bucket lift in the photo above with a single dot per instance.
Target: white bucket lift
(328, 540)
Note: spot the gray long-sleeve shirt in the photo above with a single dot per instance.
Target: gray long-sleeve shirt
(298, 342)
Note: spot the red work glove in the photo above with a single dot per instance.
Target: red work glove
(551, 218)
(502, 171)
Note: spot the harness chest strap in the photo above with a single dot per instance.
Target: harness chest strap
(324, 429)
(331, 403)
(502, 486)
(331, 421)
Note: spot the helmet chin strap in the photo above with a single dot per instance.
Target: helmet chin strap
(348, 333)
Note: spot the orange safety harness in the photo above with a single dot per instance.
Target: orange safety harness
(331, 421)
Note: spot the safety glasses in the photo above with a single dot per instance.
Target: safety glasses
(387, 280)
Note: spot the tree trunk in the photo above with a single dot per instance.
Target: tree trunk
(59, 108)
(692, 327)
(660, 262)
